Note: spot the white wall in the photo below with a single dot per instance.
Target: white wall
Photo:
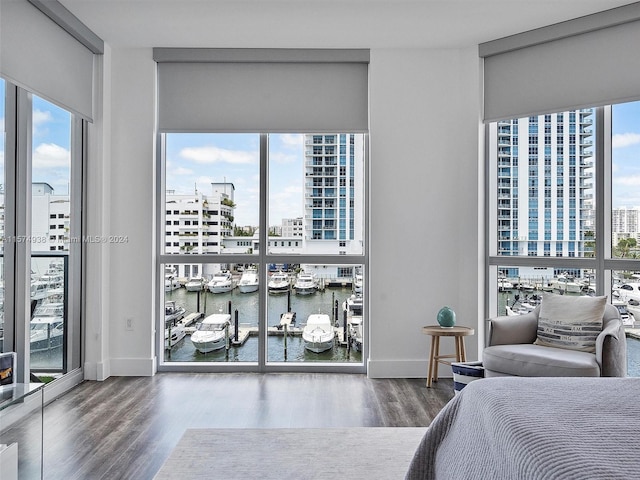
(424, 111)
(424, 181)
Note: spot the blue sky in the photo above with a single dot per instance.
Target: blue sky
(196, 160)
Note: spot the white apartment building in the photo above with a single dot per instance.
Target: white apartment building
(291, 227)
(545, 187)
(624, 224)
(197, 223)
(49, 219)
(333, 186)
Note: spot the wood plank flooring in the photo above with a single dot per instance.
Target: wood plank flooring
(126, 427)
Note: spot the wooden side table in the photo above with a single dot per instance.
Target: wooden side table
(436, 331)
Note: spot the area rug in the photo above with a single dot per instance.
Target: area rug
(369, 453)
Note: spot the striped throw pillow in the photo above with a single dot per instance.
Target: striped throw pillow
(572, 323)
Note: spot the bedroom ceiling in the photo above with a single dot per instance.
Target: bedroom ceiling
(322, 23)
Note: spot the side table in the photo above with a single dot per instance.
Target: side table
(436, 331)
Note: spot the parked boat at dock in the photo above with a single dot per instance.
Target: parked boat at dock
(210, 334)
(46, 333)
(279, 282)
(249, 281)
(195, 284)
(172, 311)
(318, 333)
(221, 282)
(305, 284)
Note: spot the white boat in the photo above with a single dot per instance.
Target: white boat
(46, 333)
(279, 283)
(171, 282)
(521, 307)
(172, 312)
(504, 285)
(628, 291)
(358, 283)
(221, 282)
(210, 334)
(49, 310)
(628, 319)
(565, 283)
(305, 284)
(195, 284)
(318, 333)
(353, 307)
(249, 281)
(39, 290)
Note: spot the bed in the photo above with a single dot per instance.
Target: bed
(535, 428)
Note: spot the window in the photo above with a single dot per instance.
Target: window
(591, 235)
(215, 179)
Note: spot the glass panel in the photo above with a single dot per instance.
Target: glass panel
(545, 190)
(520, 289)
(625, 158)
(212, 193)
(315, 313)
(626, 296)
(50, 228)
(316, 194)
(2, 185)
(211, 312)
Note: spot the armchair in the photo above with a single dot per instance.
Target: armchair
(511, 350)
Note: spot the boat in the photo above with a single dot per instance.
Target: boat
(49, 310)
(39, 290)
(358, 283)
(279, 282)
(353, 307)
(194, 284)
(46, 333)
(249, 281)
(210, 334)
(171, 282)
(523, 306)
(628, 291)
(628, 319)
(221, 282)
(172, 312)
(318, 333)
(504, 285)
(174, 326)
(565, 284)
(305, 284)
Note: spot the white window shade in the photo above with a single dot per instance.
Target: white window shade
(262, 91)
(40, 56)
(600, 66)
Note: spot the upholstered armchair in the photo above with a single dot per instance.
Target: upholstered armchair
(512, 349)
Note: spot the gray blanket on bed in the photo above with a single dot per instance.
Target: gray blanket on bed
(535, 428)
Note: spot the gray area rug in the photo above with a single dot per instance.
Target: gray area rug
(293, 453)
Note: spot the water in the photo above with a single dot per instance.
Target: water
(321, 301)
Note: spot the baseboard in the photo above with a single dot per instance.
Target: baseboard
(62, 385)
(132, 367)
(96, 371)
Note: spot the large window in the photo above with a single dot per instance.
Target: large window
(263, 249)
(41, 166)
(564, 209)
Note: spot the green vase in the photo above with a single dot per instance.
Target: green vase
(446, 317)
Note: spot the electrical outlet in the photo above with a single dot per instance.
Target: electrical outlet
(129, 323)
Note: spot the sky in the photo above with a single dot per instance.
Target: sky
(196, 160)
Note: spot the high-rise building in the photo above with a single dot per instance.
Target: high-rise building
(334, 175)
(624, 224)
(544, 182)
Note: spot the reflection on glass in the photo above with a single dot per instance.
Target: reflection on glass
(212, 193)
(316, 193)
(48, 311)
(211, 312)
(521, 289)
(625, 201)
(315, 313)
(545, 191)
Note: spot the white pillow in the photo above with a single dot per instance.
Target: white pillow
(568, 322)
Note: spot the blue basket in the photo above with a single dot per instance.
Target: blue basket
(464, 373)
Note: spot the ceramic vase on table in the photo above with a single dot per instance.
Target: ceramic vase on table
(446, 317)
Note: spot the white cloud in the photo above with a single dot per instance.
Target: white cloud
(627, 181)
(50, 155)
(292, 140)
(218, 155)
(180, 171)
(281, 157)
(40, 117)
(621, 140)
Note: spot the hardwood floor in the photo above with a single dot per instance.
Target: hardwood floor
(126, 427)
